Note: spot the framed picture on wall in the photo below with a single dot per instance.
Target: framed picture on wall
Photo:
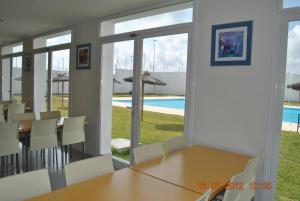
(27, 62)
(231, 44)
(83, 56)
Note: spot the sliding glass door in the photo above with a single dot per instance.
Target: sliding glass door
(51, 81)
(12, 79)
(6, 71)
(163, 86)
(117, 72)
(16, 79)
(143, 89)
(60, 81)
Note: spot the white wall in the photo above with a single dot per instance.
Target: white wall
(231, 103)
(84, 88)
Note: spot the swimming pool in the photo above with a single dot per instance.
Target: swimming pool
(166, 103)
(290, 114)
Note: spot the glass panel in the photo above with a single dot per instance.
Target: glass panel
(288, 179)
(17, 79)
(60, 81)
(117, 64)
(291, 3)
(40, 82)
(53, 39)
(163, 87)
(6, 79)
(171, 15)
(15, 48)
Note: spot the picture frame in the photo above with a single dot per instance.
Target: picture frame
(83, 58)
(27, 62)
(231, 44)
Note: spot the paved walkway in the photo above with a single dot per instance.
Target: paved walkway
(289, 127)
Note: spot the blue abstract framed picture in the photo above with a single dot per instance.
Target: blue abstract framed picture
(231, 44)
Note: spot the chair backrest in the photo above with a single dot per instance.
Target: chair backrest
(239, 188)
(50, 115)
(148, 152)
(22, 117)
(73, 130)
(25, 186)
(9, 141)
(205, 196)
(175, 144)
(250, 171)
(2, 119)
(15, 109)
(43, 134)
(88, 169)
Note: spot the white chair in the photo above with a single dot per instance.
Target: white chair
(22, 117)
(2, 119)
(44, 136)
(205, 196)
(15, 109)
(239, 188)
(9, 142)
(73, 133)
(50, 115)
(25, 186)
(175, 144)
(251, 170)
(148, 152)
(87, 169)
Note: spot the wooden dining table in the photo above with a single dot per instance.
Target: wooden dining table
(125, 185)
(196, 168)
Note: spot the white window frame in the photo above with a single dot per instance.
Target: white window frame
(138, 43)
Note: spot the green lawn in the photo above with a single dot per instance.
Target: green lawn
(156, 127)
(292, 104)
(288, 181)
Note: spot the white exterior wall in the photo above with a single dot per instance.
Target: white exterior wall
(175, 82)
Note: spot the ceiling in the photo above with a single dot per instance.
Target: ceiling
(24, 18)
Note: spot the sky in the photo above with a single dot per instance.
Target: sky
(293, 54)
(291, 3)
(170, 52)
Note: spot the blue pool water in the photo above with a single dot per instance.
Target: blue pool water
(166, 103)
(289, 114)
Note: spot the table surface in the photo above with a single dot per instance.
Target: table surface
(197, 168)
(125, 185)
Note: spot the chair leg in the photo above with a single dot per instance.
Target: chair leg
(17, 163)
(66, 153)
(6, 158)
(53, 156)
(62, 156)
(83, 149)
(70, 154)
(56, 158)
(12, 166)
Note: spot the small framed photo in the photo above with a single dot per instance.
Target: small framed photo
(231, 44)
(83, 56)
(27, 62)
